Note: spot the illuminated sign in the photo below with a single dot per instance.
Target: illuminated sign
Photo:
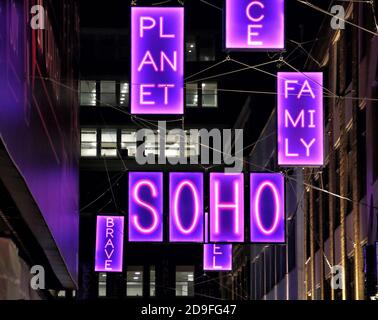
(217, 257)
(267, 208)
(226, 207)
(157, 60)
(300, 119)
(145, 206)
(255, 24)
(186, 207)
(109, 244)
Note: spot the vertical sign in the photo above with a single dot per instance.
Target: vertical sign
(186, 207)
(226, 207)
(300, 119)
(217, 257)
(255, 25)
(267, 207)
(109, 244)
(157, 60)
(145, 207)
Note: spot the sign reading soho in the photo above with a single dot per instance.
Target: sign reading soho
(157, 88)
(225, 223)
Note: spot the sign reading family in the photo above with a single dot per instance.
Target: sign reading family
(255, 24)
(157, 60)
(300, 119)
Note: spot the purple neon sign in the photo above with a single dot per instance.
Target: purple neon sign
(255, 25)
(157, 60)
(109, 244)
(186, 207)
(267, 207)
(226, 207)
(217, 257)
(145, 207)
(300, 119)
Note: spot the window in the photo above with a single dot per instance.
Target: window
(209, 94)
(128, 142)
(206, 97)
(108, 93)
(207, 50)
(152, 282)
(184, 281)
(191, 50)
(109, 143)
(88, 142)
(134, 285)
(124, 98)
(192, 95)
(102, 285)
(88, 93)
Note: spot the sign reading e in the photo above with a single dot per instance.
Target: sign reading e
(157, 60)
(300, 119)
(255, 24)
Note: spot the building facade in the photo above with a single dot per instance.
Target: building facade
(38, 145)
(341, 224)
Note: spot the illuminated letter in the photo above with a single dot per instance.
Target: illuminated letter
(196, 205)
(226, 207)
(163, 57)
(309, 90)
(150, 208)
(166, 88)
(267, 198)
(145, 207)
(287, 88)
(294, 123)
(186, 207)
(146, 93)
(249, 14)
(143, 27)
(162, 35)
(147, 59)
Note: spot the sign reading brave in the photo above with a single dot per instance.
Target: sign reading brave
(267, 208)
(109, 244)
(145, 207)
(186, 207)
(255, 24)
(157, 60)
(226, 207)
(300, 119)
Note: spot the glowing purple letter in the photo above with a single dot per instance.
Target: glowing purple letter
(145, 207)
(226, 207)
(186, 207)
(217, 257)
(267, 208)
(109, 244)
(157, 60)
(255, 24)
(300, 119)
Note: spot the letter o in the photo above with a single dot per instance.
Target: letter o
(276, 204)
